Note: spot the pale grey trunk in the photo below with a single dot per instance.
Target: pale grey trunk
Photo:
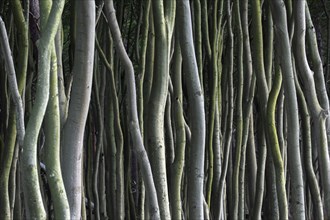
(318, 114)
(52, 147)
(16, 116)
(134, 127)
(259, 67)
(18, 103)
(73, 131)
(157, 101)
(180, 141)
(228, 71)
(63, 101)
(282, 43)
(31, 187)
(196, 100)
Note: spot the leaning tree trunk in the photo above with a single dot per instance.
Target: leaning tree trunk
(133, 113)
(31, 187)
(16, 116)
(22, 32)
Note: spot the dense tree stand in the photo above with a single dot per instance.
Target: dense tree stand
(164, 109)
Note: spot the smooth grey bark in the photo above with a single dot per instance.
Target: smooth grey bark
(73, 131)
(16, 203)
(6, 51)
(272, 200)
(282, 43)
(52, 147)
(317, 67)
(217, 151)
(29, 161)
(116, 139)
(169, 15)
(308, 161)
(317, 112)
(228, 70)
(196, 100)
(280, 126)
(156, 107)
(15, 116)
(149, 64)
(275, 152)
(251, 163)
(99, 142)
(247, 115)
(238, 204)
(214, 78)
(198, 37)
(180, 141)
(205, 28)
(268, 44)
(259, 67)
(169, 133)
(63, 100)
(248, 148)
(142, 61)
(133, 113)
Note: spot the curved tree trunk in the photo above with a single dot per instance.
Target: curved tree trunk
(282, 43)
(196, 99)
(31, 186)
(187, 95)
(73, 131)
(52, 147)
(155, 121)
(133, 114)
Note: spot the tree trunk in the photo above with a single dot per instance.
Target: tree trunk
(196, 99)
(73, 131)
(295, 167)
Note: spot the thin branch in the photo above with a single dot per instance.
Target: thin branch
(5, 49)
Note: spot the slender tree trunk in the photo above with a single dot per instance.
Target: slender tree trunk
(133, 114)
(307, 147)
(22, 30)
(317, 113)
(295, 167)
(214, 75)
(238, 199)
(196, 99)
(251, 163)
(143, 61)
(180, 143)
(228, 71)
(258, 62)
(17, 115)
(155, 128)
(52, 147)
(275, 147)
(73, 131)
(249, 86)
(31, 186)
